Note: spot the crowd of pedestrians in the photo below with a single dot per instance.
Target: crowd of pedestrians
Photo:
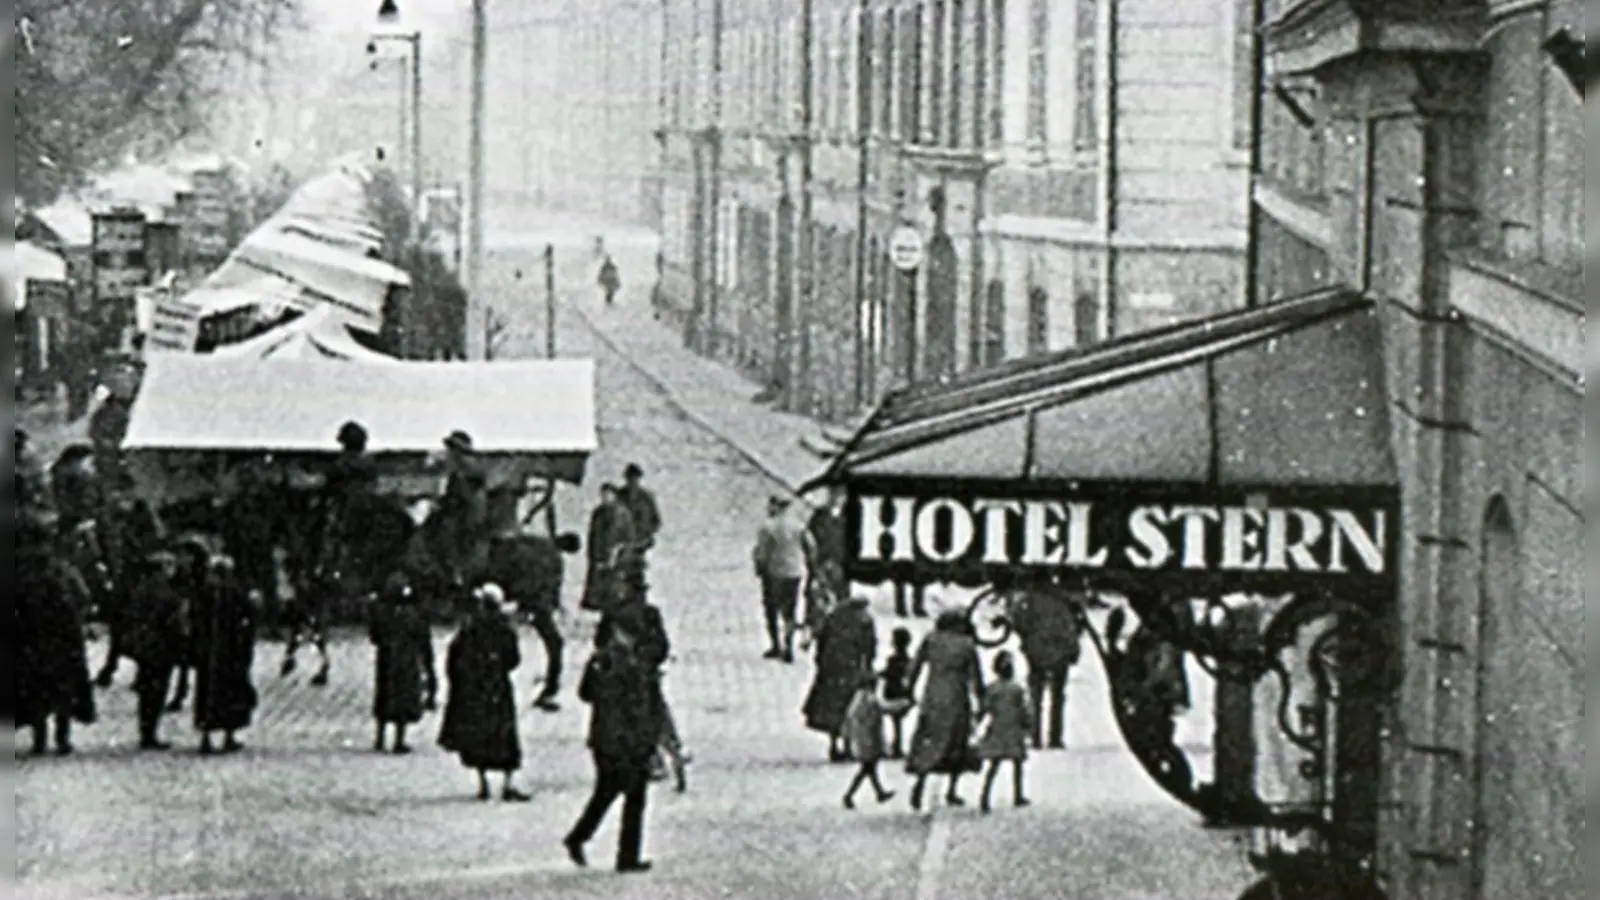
(181, 607)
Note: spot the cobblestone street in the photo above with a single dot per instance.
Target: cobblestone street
(309, 810)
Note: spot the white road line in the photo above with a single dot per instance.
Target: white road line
(930, 867)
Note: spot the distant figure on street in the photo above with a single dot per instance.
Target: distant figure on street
(1046, 623)
(610, 280)
(480, 714)
(611, 544)
(782, 548)
(403, 679)
(642, 508)
(223, 629)
(1007, 717)
(624, 724)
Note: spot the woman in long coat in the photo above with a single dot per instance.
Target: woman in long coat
(52, 667)
(846, 646)
(480, 714)
(223, 627)
(404, 677)
(942, 742)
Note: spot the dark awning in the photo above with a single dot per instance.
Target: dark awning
(1286, 395)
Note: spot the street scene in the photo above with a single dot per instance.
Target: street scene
(914, 451)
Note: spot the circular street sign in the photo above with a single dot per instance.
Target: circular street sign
(905, 248)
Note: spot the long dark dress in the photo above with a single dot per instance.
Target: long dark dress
(941, 742)
(845, 649)
(404, 662)
(223, 623)
(52, 668)
(480, 715)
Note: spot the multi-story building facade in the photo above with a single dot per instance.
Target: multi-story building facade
(571, 104)
(1078, 169)
(1429, 156)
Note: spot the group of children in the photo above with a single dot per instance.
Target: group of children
(1005, 720)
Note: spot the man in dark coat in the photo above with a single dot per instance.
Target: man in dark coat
(52, 670)
(641, 505)
(611, 544)
(826, 526)
(404, 678)
(480, 715)
(610, 279)
(157, 640)
(625, 720)
(1047, 624)
(130, 535)
(529, 568)
(222, 625)
(464, 509)
(846, 647)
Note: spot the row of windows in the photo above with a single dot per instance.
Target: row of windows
(931, 73)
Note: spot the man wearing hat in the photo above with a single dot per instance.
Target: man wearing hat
(156, 640)
(783, 549)
(641, 505)
(465, 508)
(611, 543)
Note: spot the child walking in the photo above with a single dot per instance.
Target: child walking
(897, 686)
(1008, 721)
(863, 728)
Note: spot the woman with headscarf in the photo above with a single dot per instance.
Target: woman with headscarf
(942, 742)
(51, 666)
(480, 713)
(403, 678)
(223, 626)
(846, 646)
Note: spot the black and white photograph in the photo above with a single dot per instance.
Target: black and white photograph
(800, 449)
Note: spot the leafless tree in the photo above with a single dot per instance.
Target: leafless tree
(96, 78)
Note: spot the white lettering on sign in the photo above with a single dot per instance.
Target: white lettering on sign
(1254, 537)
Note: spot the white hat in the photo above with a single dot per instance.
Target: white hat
(492, 593)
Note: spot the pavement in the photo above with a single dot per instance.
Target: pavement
(309, 810)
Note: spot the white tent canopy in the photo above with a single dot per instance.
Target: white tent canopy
(316, 335)
(206, 403)
(358, 286)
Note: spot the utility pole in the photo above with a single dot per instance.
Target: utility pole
(864, 83)
(710, 343)
(549, 301)
(801, 395)
(477, 319)
(416, 129)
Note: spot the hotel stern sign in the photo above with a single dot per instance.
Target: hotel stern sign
(1110, 536)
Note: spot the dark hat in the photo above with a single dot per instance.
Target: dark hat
(632, 471)
(351, 434)
(610, 487)
(458, 440)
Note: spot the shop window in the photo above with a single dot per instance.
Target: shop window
(1038, 320)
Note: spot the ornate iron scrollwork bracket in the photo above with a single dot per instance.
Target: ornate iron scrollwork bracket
(1339, 649)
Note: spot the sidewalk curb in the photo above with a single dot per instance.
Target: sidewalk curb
(667, 393)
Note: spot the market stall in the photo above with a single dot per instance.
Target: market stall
(358, 286)
(1228, 488)
(316, 335)
(195, 415)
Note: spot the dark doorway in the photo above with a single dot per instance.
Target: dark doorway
(1038, 320)
(994, 323)
(940, 351)
(1085, 320)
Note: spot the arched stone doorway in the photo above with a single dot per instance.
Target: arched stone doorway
(939, 350)
(1494, 861)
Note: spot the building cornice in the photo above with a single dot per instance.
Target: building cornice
(1312, 34)
(1537, 321)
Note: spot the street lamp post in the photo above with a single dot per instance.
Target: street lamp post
(414, 41)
